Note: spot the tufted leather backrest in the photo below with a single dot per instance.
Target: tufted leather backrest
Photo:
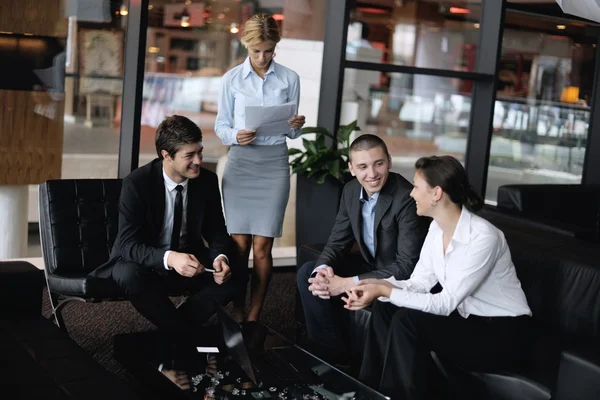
(560, 277)
(574, 208)
(78, 223)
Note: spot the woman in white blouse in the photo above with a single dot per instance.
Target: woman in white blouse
(479, 319)
(256, 179)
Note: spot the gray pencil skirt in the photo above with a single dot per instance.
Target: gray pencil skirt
(256, 189)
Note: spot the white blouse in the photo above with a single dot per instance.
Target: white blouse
(476, 273)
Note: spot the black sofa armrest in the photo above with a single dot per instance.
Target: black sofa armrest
(20, 290)
(578, 376)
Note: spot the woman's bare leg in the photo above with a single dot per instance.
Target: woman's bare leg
(242, 244)
(261, 274)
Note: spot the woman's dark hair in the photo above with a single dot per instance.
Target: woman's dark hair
(449, 174)
(174, 132)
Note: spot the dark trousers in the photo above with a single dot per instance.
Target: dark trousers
(149, 291)
(398, 361)
(327, 320)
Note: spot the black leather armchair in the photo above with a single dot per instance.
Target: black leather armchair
(78, 226)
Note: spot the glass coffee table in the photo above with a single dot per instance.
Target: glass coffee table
(201, 365)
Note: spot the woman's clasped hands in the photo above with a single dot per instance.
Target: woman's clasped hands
(365, 292)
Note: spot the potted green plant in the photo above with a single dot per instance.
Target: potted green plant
(319, 159)
(322, 171)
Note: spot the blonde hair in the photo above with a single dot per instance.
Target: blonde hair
(260, 28)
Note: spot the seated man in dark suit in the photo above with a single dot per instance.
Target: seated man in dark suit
(167, 209)
(376, 211)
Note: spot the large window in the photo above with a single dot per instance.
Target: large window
(416, 114)
(542, 110)
(420, 33)
(70, 61)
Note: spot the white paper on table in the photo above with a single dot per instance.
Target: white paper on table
(270, 120)
(207, 349)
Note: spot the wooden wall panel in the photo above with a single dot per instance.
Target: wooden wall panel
(37, 17)
(31, 137)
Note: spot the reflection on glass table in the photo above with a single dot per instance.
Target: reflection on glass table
(281, 370)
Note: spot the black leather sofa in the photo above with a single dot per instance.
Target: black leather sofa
(37, 359)
(572, 210)
(560, 275)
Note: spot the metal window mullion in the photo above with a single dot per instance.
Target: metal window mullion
(332, 71)
(133, 82)
(484, 94)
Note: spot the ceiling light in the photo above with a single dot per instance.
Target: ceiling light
(123, 10)
(561, 27)
(233, 28)
(185, 18)
(459, 10)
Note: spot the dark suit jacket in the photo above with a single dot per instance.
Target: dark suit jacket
(399, 231)
(141, 214)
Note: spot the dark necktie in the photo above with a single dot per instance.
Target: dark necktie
(177, 216)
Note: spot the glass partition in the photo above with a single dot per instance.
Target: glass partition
(418, 33)
(416, 115)
(542, 113)
(62, 66)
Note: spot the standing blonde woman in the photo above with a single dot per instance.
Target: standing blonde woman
(256, 180)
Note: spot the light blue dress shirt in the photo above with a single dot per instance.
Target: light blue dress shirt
(241, 86)
(368, 220)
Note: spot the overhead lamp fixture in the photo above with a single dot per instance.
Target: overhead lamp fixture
(185, 18)
(233, 28)
(561, 27)
(459, 10)
(123, 10)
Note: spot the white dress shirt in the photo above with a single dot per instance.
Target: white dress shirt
(167, 227)
(476, 273)
(241, 86)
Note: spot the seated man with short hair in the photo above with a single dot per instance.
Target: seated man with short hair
(376, 210)
(167, 209)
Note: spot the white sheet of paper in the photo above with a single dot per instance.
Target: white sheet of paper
(207, 349)
(270, 120)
